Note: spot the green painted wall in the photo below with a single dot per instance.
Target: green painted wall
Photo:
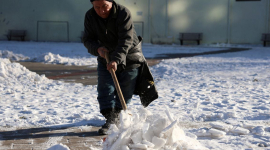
(18, 14)
(206, 16)
(248, 21)
(140, 14)
(158, 21)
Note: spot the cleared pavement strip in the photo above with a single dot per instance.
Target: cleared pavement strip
(44, 138)
(87, 75)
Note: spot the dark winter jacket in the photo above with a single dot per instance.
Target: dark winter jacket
(117, 34)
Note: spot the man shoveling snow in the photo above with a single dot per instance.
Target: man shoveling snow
(109, 29)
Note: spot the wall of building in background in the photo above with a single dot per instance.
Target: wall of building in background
(206, 16)
(44, 20)
(220, 21)
(158, 21)
(248, 20)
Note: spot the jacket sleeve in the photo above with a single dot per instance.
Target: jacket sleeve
(125, 41)
(90, 40)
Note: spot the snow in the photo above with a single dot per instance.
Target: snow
(143, 130)
(218, 101)
(59, 147)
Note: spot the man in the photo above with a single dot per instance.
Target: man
(109, 29)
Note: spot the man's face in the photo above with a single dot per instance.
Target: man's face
(102, 8)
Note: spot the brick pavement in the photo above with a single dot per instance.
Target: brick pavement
(76, 138)
(87, 75)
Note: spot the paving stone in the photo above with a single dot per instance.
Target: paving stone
(7, 142)
(20, 149)
(18, 141)
(75, 139)
(2, 147)
(40, 140)
(27, 146)
(79, 146)
(94, 144)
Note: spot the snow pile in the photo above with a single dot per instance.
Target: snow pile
(18, 75)
(77, 54)
(50, 58)
(59, 147)
(16, 72)
(143, 130)
(47, 52)
(11, 56)
(32, 99)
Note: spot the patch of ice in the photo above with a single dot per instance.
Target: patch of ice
(239, 130)
(222, 126)
(217, 133)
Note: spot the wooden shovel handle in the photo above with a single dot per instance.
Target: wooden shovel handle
(116, 83)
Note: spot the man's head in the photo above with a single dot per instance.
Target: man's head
(102, 7)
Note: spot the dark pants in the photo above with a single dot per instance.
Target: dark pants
(107, 94)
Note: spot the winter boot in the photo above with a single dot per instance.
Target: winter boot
(111, 118)
(116, 114)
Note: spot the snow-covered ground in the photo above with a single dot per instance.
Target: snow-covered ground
(219, 101)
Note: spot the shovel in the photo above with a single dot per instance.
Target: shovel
(116, 83)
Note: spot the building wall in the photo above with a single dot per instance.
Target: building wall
(27, 14)
(248, 20)
(140, 14)
(206, 16)
(220, 21)
(158, 21)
